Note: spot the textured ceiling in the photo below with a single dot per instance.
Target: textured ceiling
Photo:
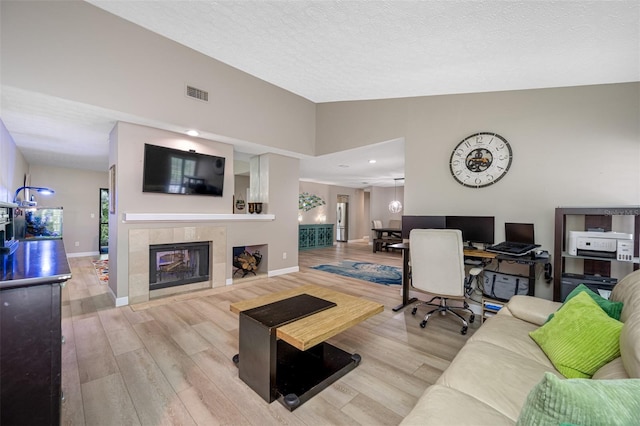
(349, 50)
(344, 50)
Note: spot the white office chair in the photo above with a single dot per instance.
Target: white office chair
(437, 268)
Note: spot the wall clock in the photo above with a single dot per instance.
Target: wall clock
(480, 160)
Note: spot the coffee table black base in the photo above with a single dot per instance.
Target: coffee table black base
(300, 375)
(303, 374)
(273, 368)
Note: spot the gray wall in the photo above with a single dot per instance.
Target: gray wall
(78, 192)
(280, 235)
(241, 187)
(13, 166)
(575, 146)
(75, 51)
(358, 225)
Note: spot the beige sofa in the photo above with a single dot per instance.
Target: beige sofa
(488, 381)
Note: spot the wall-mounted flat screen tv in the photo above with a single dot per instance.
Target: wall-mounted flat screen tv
(172, 171)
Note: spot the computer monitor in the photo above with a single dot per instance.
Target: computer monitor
(475, 229)
(421, 222)
(519, 233)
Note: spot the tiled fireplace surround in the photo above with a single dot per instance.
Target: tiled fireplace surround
(141, 239)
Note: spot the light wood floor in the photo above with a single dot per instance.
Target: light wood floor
(169, 361)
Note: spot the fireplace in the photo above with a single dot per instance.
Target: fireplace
(178, 264)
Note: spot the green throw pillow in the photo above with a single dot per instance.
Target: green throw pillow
(613, 309)
(582, 402)
(580, 338)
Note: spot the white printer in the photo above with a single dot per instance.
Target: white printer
(609, 245)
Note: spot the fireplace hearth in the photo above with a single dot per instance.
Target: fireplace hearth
(178, 264)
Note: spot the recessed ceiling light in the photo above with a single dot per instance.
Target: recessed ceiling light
(372, 161)
(193, 132)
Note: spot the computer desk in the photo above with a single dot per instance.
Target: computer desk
(485, 256)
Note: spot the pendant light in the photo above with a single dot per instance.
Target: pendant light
(395, 206)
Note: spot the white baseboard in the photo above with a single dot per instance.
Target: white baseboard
(358, 240)
(274, 273)
(284, 271)
(118, 301)
(84, 254)
(122, 301)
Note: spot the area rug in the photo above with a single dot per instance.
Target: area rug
(372, 272)
(102, 270)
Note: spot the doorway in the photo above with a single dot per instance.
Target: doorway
(103, 230)
(342, 218)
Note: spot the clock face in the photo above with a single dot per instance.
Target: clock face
(480, 160)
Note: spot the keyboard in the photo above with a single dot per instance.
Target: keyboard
(512, 249)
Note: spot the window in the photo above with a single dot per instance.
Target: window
(103, 230)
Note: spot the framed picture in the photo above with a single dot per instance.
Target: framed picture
(112, 189)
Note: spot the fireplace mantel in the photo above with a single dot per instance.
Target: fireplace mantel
(195, 217)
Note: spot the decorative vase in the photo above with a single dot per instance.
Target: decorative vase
(258, 208)
(252, 207)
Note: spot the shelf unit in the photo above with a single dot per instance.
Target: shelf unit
(594, 217)
(490, 307)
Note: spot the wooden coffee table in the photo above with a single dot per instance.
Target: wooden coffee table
(283, 352)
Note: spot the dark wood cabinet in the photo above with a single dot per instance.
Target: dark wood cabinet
(31, 355)
(30, 333)
(601, 218)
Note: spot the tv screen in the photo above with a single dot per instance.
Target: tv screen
(172, 171)
(475, 229)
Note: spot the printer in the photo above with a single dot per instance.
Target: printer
(608, 245)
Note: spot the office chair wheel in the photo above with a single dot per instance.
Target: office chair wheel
(414, 310)
(423, 324)
(464, 330)
(472, 318)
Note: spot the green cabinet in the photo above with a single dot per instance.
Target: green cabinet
(315, 236)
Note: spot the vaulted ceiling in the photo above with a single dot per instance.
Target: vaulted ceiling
(329, 51)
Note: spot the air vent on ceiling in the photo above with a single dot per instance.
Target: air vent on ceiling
(199, 94)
